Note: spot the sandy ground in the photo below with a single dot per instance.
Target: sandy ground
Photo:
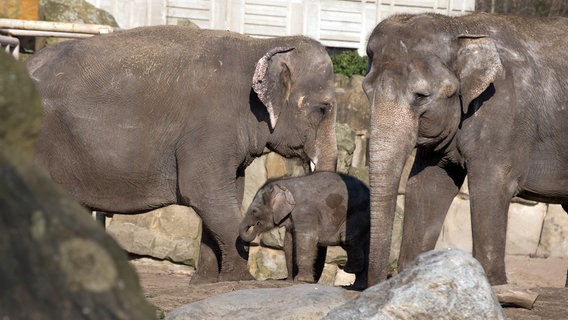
(167, 286)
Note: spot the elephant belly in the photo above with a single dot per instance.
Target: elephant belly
(546, 183)
(108, 167)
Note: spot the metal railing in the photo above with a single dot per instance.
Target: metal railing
(10, 29)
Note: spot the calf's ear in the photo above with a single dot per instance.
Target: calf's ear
(478, 65)
(272, 81)
(282, 202)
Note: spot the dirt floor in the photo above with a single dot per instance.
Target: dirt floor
(167, 286)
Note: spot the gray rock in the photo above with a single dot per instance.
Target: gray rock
(345, 146)
(554, 238)
(267, 263)
(20, 108)
(57, 263)
(172, 233)
(255, 176)
(304, 301)
(442, 284)
(76, 11)
(352, 104)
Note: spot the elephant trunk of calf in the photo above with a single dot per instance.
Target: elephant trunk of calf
(247, 231)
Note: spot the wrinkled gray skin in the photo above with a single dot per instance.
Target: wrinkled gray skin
(154, 116)
(320, 209)
(481, 95)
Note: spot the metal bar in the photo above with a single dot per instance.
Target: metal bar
(39, 33)
(12, 45)
(55, 26)
(9, 41)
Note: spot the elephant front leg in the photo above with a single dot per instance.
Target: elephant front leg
(306, 245)
(222, 255)
(489, 200)
(289, 254)
(429, 193)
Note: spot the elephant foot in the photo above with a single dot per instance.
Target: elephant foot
(353, 267)
(305, 278)
(232, 276)
(360, 283)
(203, 278)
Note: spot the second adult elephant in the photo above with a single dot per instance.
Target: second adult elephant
(478, 95)
(154, 116)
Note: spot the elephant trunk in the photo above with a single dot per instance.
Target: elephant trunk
(325, 158)
(393, 136)
(247, 231)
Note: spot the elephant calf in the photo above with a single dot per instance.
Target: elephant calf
(319, 209)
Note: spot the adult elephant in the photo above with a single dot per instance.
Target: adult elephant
(154, 116)
(479, 95)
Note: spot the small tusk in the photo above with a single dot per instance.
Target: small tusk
(300, 101)
(312, 166)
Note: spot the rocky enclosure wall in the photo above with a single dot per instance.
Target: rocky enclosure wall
(172, 233)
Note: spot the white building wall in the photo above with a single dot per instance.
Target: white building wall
(335, 23)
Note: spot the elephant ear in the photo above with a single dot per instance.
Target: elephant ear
(478, 65)
(282, 202)
(272, 82)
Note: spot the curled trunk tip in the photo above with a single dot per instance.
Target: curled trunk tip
(247, 233)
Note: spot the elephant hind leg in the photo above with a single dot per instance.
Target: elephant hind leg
(319, 263)
(100, 217)
(208, 264)
(355, 259)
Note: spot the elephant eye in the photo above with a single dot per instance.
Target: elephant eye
(322, 109)
(419, 98)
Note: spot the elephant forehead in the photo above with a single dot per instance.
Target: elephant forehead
(411, 34)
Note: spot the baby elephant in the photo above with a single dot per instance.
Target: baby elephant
(319, 209)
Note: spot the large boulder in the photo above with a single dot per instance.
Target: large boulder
(20, 108)
(57, 263)
(171, 233)
(304, 301)
(443, 284)
(75, 11)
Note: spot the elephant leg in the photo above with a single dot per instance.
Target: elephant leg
(222, 256)
(289, 254)
(306, 245)
(100, 217)
(214, 198)
(319, 264)
(489, 199)
(429, 193)
(355, 259)
(361, 277)
(208, 263)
